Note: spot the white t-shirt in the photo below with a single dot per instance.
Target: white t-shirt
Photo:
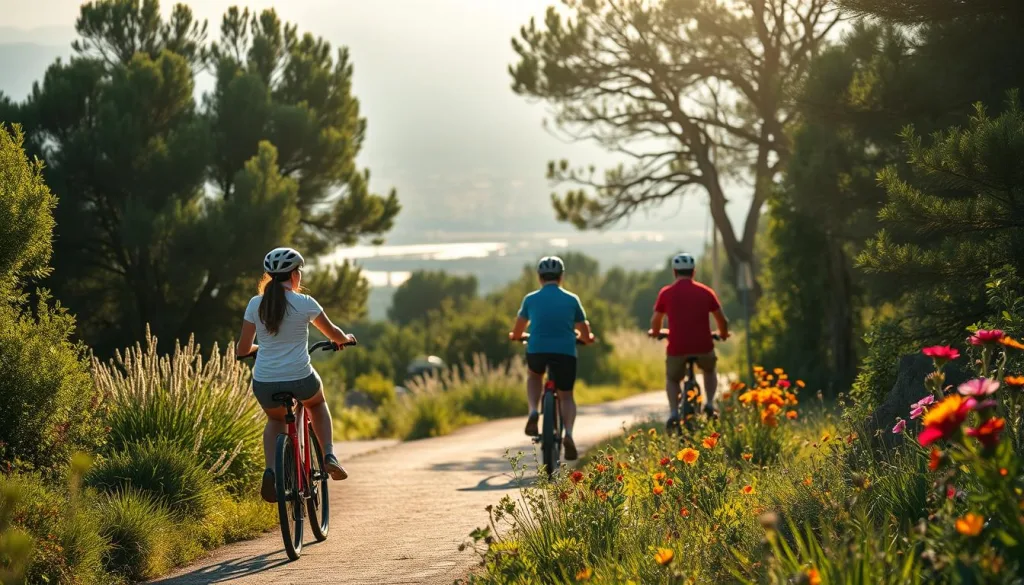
(284, 356)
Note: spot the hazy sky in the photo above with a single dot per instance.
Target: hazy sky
(444, 127)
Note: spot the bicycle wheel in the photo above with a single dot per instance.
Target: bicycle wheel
(549, 434)
(318, 505)
(289, 499)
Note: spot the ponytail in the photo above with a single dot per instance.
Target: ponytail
(274, 303)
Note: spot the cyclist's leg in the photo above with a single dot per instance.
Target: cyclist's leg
(675, 368)
(563, 374)
(275, 418)
(320, 416)
(707, 363)
(536, 365)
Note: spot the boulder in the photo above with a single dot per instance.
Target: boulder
(908, 389)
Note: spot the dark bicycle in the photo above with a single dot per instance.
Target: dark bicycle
(550, 437)
(299, 471)
(689, 391)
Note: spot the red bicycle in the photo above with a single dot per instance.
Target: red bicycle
(299, 472)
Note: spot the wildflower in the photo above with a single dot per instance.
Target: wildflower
(652, 431)
(737, 386)
(665, 461)
(985, 336)
(945, 418)
(978, 387)
(747, 490)
(684, 512)
(563, 496)
(584, 574)
(807, 481)
(748, 456)
(688, 456)
(1011, 342)
(669, 482)
(610, 458)
(576, 477)
(934, 459)
(601, 468)
(988, 432)
(619, 478)
(658, 476)
(779, 371)
(941, 354)
(664, 556)
(901, 425)
(918, 408)
(813, 577)
(801, 384)
(791, 414)
(657, 490)
(784, 384)
(1014, 381)
(601, 495)
(970, 524)
(758, 369)
(693, 395)
(709, 442)
(825, 437)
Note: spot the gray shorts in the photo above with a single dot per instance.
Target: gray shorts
(303, 389)
(675, 365)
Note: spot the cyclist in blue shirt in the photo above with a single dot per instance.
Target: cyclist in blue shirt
(555, 317)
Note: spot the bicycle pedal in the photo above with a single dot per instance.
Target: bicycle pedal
(536, 439)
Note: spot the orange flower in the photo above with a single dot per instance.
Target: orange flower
(658, 476)
(807, 481)
(779, 371)
(693, 395)
(685, 513)
(748, 489)
(758, 369)
(710, 442)
(791, 415)
(688, 456)
(584, 574)
(970, 524)
(665, 461)
(748, 456)
(652, 431)
(619, 478)
(1008, 341)
(664, 556)
(1014, 380)
(658, 490)
(801, 384)
(813, 578)
(601, 468)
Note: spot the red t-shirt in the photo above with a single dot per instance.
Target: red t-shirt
(687, 304)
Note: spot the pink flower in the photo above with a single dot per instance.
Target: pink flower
(901, 425)
(983, 336)
(941, 353)
(917, 409)
(784, 384)
(978, 387)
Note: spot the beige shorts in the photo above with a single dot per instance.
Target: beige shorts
(675, 365)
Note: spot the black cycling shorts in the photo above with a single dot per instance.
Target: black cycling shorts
(561, 368)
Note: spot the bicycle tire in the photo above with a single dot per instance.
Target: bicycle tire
(549, 436)
(319, 503)
(289, 500)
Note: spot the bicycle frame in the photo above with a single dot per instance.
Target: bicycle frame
(298, 432)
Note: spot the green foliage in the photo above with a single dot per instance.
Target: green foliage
(164, 471)
(15, 544)
(130, 153)
(27, 207)
(426, 291)
(379, 389)
(138, 531)
(202, 406)
(927, 11)
(886, 342)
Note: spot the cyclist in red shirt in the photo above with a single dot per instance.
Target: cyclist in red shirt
(687, 304)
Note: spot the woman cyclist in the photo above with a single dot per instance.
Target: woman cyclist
(280, 316)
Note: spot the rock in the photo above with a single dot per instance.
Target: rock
(356, 398)
(908, 389)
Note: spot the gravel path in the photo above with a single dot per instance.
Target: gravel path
(406, 507)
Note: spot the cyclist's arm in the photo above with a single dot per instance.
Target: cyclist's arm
(518, 329)
(656, 321)
(723, 324)
(245, 339)
(585, 333)
(332, 331)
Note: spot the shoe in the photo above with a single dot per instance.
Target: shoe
(269, 488)
(570, 448)
(531, 424)
(672, 424)
(334, 469)
(710, 412)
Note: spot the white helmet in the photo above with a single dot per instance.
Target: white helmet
(282, 261)
(551, 266)
(683, 261)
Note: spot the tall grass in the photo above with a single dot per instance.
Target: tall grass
(637, 361)
(138, 529)
(203, 406)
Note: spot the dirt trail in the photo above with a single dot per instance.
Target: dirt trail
(406, 507)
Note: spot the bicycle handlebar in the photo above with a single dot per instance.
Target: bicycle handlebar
(526, 337)
(321, 345)
(663, 334)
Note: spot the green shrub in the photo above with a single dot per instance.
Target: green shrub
(169, 474)
(137, 529)
(354, 423)
(15, 544)
(202, 406)
(637, 361)
(377, 387)
(887, 342)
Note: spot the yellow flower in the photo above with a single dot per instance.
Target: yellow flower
(758, 369)
(970, 524)
(652, 432)
(779, 371)
(664, 556)
(688, 456)
(801, 384)
(658, 476)
(584, 574)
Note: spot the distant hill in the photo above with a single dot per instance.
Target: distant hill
(23, 63)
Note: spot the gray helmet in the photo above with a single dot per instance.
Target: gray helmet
(550, 266)
(683, 261)
(282, 261)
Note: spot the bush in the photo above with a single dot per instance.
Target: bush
(377, 387)
(887, 343)
(354, 423)
(636, 361)
(202, 407)
(15, 544)
(137, 529)
(169, 474)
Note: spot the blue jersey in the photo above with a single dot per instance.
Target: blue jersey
(553, 313)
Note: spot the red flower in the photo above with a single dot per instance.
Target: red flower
(669, 482)
(665, 461)
(783, 384)
(983, 336)
(576, 477)
(988, 432)
(945, 418)
(942, 353)
(618, 478)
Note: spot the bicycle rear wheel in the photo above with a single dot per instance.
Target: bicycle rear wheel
(319, 504)
(549, 442)
(289, 499)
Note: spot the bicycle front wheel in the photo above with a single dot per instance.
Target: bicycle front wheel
(319, 504)
(549, 434)
(289, 498)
